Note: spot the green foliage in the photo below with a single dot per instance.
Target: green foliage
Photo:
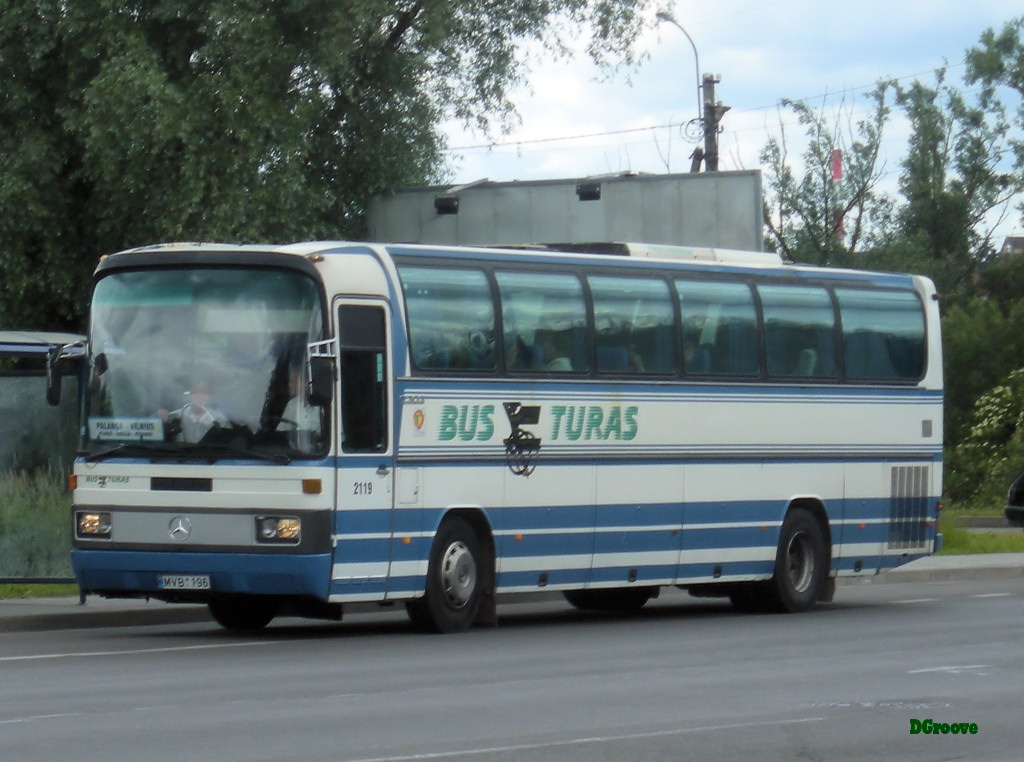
(132, 122)
(991, 455)
(815, 218)
(953, 177)
(998, 62)
(962, 174)
(35, 524)
(982, 345)
(37, 591)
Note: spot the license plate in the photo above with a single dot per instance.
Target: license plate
(184, 582)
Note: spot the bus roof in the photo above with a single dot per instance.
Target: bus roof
(607, 251)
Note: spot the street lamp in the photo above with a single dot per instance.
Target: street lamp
(708, 112)
(666, 16)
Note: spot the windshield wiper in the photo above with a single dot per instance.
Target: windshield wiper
(232, 449)
(130, 448)
(197, 450)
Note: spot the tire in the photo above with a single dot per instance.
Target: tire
(456, 579)
(244, 613)
(617, 599)
(750, 597)
(801, 564)
(801, 570)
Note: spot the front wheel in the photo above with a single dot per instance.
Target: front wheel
(244, 613)
(456, 578)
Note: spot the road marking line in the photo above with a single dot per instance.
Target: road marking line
(918, 600)
(992, 595)
(588, 740)
(39, 717)
(952, 669)
(168, 649)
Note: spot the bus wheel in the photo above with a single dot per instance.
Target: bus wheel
(616, 599)
(455, 579)
(801, 564)
(244, 613)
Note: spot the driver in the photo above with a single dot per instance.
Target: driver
(196, 417)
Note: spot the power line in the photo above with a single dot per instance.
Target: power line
(494, 145)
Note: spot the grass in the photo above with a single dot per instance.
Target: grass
(957, 541)
(35, 524)
(37, 591)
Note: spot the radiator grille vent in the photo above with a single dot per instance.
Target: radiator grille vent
(908, 507)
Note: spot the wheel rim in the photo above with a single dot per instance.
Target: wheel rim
(458, 575)
(800, 562)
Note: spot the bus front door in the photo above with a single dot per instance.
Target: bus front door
(365, 473)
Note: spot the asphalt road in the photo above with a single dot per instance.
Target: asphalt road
(685, 679)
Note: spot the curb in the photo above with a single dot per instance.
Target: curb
(116, 614)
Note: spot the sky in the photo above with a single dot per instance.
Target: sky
(764, 51)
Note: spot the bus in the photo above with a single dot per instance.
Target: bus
(288, 430)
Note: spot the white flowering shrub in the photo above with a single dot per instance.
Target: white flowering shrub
(980, 469)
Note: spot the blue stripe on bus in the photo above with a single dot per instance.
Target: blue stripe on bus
(860, 520)
(259, 574)
(377, 588)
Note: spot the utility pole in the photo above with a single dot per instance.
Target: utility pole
(713, 113)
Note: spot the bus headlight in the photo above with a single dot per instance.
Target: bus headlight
(287, 529)
(92, 524)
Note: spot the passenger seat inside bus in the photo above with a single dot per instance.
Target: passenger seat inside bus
(612, 359)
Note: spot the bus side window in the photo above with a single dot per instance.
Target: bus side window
(633, 324)
(364, 386)
(883, 334)
(799, 324)
(545, 322)
(451, 318)
(720, 334)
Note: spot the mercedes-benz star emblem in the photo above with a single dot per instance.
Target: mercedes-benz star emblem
(180, 528)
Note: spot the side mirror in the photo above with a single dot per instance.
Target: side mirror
(321, 380)
(57, 352)
(53, 374)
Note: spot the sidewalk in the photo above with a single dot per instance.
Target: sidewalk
(67, 613)
(40, 614)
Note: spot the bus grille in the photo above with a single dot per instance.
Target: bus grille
(908, 507)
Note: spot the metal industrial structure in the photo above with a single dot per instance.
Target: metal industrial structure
(714, 209)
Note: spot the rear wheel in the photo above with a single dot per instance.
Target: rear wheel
(456, 577)
(801, 563)
(801, 570)
(244, 613)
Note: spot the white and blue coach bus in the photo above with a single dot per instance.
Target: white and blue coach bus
(287, 430)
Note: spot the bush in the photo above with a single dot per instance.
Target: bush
(35, 524)
(980, 469)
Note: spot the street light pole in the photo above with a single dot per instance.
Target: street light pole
(666, 16)
(708, 112)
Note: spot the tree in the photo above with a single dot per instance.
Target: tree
(955, 183)
(818, 218)
(983, 342)
(125, 122)
(999, 61)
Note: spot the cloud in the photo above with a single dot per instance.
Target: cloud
(576, 121)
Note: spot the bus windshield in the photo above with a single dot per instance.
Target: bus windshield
(208, 361)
